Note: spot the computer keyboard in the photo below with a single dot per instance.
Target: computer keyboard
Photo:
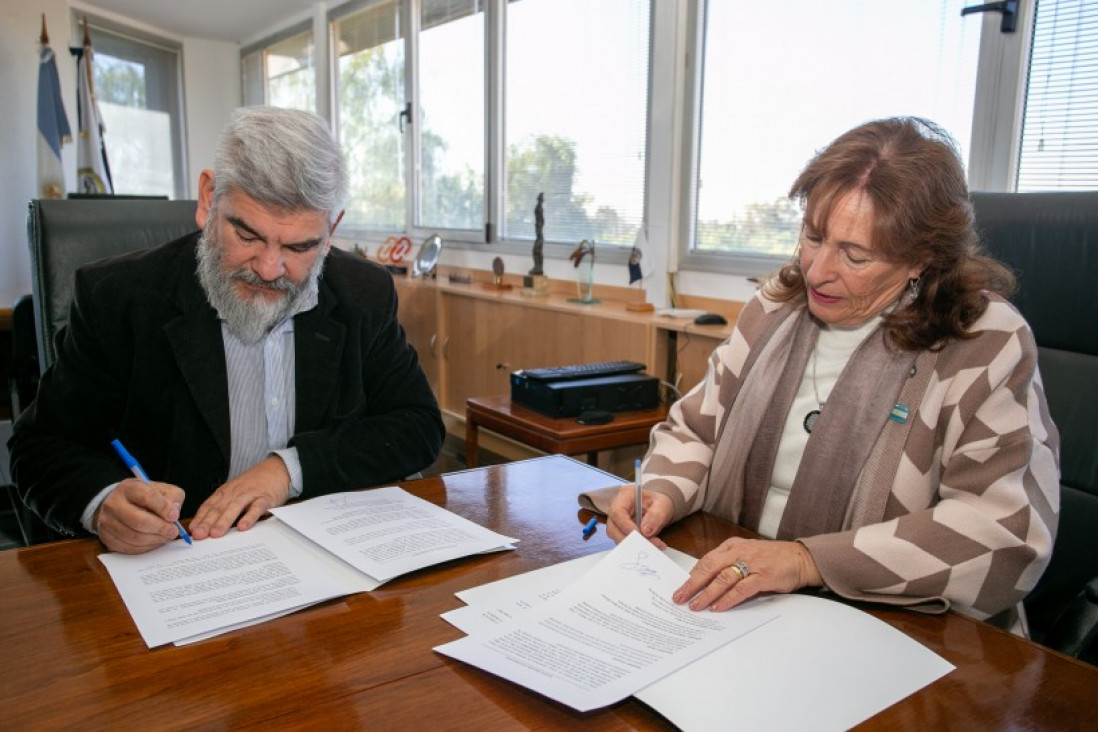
(584, 370)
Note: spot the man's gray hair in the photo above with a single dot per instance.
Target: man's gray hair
(285, 159)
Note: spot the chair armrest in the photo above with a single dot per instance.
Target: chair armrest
(1076, 630)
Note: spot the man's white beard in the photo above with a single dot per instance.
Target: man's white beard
(252, 317)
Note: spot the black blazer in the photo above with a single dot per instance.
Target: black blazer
(142, 360)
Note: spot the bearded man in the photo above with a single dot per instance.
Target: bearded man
(243, 366)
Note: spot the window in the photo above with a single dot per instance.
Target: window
(371, 115)
(781, 79)
(576, 133)
(282, 72)
(1059, 145)
(413, 80)
(451, 115)
(138, 88)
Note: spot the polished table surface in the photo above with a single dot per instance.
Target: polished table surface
(73, 657)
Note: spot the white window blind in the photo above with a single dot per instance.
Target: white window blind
(291, 76)
(138, 86)
(1059, 149)
(253, 85)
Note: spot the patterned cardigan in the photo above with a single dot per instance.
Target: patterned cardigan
(940, 478)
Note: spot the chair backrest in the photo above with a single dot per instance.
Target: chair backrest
(24, 355)
(66, 234)
(1050, 240)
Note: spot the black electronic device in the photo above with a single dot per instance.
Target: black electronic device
(570, 397)
(583, 370)
(710, 319)
(595, 416)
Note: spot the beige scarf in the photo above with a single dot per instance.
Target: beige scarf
(841, 442)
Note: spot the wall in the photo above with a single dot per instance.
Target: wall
(20, 25)
(211, 85)
(211, 88)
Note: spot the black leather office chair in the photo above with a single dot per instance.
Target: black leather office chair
(23, 380)
(1050, 240)
(64, 235)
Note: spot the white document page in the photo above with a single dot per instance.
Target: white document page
(349, 578)
(821, 665)
(612, 631)
(177, 592)
(387, 532)
(496, 603)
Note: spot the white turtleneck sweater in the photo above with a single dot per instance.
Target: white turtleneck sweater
(833, 349)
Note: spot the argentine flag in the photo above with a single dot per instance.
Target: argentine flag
(53, 127)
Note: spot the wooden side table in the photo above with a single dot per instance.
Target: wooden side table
(555, 435)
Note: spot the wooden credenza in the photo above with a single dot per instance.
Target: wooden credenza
(470, 337)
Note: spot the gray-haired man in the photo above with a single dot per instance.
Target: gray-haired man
(243, 366)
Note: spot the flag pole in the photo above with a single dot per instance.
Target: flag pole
(93, 172)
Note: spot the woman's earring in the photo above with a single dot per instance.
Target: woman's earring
(913, 287)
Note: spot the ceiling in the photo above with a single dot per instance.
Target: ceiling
(223, 20)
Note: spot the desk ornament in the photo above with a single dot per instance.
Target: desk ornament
(497, 276)
(583, 259)
(535, 282)
(392, 254)
(427, 257)
(635, 275)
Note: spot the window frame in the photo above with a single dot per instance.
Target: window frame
(1002, 69)
(673, 129)
(263, 46)
(177, 100)
(487, 239)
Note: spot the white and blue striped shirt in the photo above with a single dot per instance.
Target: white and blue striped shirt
(261, 410)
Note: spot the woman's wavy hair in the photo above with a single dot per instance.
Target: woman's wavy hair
(910, 170)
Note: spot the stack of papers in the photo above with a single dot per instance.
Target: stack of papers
(608, 634)
(797, 662)
(312, 551)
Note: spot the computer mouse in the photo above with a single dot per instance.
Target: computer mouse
(594, 416)
(710, 319)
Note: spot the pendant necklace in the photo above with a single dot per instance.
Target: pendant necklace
(812, 416)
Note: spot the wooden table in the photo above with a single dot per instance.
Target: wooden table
(73, 658)
(560, 435)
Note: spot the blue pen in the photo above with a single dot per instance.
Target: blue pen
(139, 472)
(638, 511)
(590, 527)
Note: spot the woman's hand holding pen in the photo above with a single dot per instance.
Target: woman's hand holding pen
(137, 517)
(246, 497)
(657, 513)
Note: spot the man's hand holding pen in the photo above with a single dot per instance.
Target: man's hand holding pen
(140, 515)
(137, 517)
